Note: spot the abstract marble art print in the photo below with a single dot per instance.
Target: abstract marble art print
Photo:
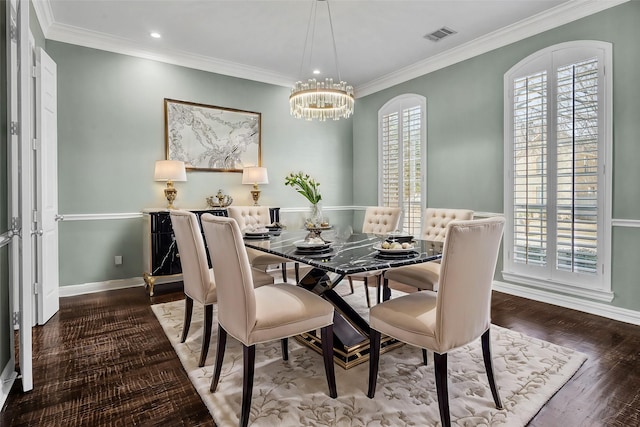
(211, 138)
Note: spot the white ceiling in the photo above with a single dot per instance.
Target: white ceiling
(379, 42)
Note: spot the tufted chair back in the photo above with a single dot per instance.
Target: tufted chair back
(435, 221)
(380, 219)
(250, 216)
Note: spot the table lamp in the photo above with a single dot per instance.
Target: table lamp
(255, 175)
(170, 170)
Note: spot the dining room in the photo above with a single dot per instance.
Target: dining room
(115, 99)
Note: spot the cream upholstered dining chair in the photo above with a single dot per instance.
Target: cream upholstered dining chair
(456, 315)
(434, 227)
(377, 220)
(263, 314)
(258, 216)
(197, 277)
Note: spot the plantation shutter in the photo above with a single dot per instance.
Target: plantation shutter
(557, 190)
(577, 167)
(390, 160)
(401, 168)
(412, 169)
(530, 169)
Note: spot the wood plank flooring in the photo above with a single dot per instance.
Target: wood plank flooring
(104, 360)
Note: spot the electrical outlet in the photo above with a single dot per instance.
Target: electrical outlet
(118, 259)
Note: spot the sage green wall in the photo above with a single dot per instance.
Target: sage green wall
(111, 131)
(5, 318)
(465, 131)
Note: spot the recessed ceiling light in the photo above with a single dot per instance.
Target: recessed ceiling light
(155, 35)
(316, 71)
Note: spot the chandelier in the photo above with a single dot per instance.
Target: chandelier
(321, 100)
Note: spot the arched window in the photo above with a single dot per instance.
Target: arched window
(402, 151)
(557, 189)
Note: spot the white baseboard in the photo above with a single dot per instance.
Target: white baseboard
(592, 307)
(7, 379)
(109, 285)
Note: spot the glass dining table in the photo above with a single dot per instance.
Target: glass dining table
(345, 255)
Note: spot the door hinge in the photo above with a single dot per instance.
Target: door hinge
(16, 318)
(34, 71)
(34, 144)
(14, 128)
(35, 288)
(34, 215)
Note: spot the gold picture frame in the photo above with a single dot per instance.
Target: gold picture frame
(210, 138)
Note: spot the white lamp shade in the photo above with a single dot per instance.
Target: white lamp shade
(255, 175)
(170, 170)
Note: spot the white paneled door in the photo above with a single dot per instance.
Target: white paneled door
(46, 178)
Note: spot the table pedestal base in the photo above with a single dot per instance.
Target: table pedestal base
(347, 357)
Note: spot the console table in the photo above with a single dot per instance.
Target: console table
(159, 249)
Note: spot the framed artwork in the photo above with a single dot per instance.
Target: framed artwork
(211, 138)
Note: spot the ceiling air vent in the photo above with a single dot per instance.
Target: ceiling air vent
(438, 35)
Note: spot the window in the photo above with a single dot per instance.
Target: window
(557, 191)
(402, 149)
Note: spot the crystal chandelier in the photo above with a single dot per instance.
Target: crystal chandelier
(321, 100)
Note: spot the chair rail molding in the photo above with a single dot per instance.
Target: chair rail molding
(625, 222)
(100, 216)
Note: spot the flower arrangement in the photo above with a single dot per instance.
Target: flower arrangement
(304, 185)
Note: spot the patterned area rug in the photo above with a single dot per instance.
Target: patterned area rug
(294, 393)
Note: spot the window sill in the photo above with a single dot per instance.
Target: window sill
(564, 288)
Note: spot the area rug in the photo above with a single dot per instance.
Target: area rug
(294, 393)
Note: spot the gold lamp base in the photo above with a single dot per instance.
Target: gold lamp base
(170, 193)
(255, 194)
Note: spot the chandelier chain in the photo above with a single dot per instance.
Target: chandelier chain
(333, 39)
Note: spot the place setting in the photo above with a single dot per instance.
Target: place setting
(257, 233)
(314, 247)
(397, 245)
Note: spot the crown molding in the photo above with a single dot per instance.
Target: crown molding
(95, 40)
(552, 18)
(44, 13)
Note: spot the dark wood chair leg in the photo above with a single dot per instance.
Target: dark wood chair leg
(488, 365)
(188, 311)
(440, 369)
(386, 292)
(326, 334)
(350, 284)
(374, 359)
(247, 383)
(284, 271)
(424, 356)
(296, 267)
(284, 343)
(222, 344)
(366, 291)
(378, 284)
(206, 334)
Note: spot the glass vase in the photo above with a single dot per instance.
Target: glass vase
(315, 217)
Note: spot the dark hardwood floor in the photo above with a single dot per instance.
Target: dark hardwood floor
(104, 360)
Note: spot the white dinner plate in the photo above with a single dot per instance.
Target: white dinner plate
(303, 244)
(257, 232)
(378, 248)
